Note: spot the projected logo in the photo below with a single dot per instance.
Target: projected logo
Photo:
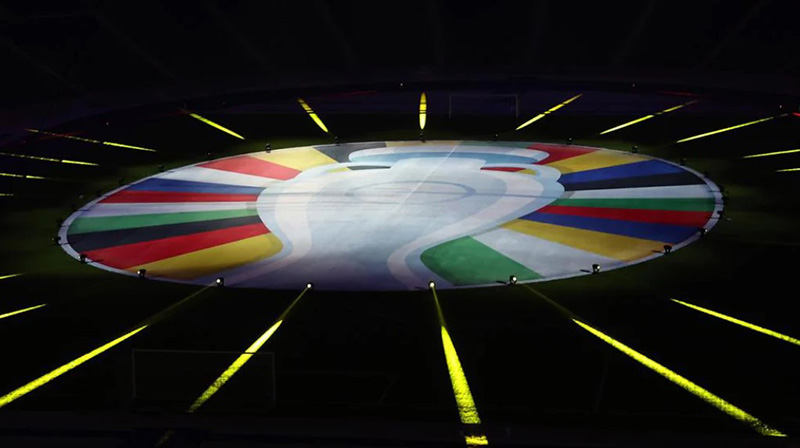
(394, 215)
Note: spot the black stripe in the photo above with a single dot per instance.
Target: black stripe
(84, 242)
(341, 152)
(659, 180)
(367, 167)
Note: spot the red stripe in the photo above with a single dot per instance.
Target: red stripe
(129, 255)
(252, 166)
(510, 169)
(560, 152)
(127, 196)
(679, 218)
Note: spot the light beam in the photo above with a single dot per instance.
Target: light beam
(548, 111)
(48, 159)
(740, 322)
(3, 277)
(13, 313)
(90, 140)
(313, 115)
(768, 154)
(423, 111)
(647, 117)
(214, 125)
(710, 398)
(731, 128)
(787, 170)
(24, 176)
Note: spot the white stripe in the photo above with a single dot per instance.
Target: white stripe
(200, 174)
(544, 257)
(675, 191)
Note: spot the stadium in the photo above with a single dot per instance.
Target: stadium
(383, 224)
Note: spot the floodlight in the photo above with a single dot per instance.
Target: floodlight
(141, 273)
(268, 147)
(635, 149)
(82, 258)
(512, 280)
(667, 249)
(595, 268)
(56, 239)
(221, 281)
(431, 284)
(309, 285)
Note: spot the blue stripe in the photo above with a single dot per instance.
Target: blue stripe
(637, 169)
(656, 232)
(156, 184)
(488, 157)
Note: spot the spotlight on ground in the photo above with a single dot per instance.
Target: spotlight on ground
(431, 284)
(667, 249)
(595, 268)
(141, 273)
(82, 258)
(512, 280)
(309, 285)
(221, 281)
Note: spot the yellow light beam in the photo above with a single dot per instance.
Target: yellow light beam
(24, 176)
(423, 111)
(731, 128)
(688, 385)
(787, 170)
(90, 140)
(242, 359)
(13, 313)
(46, 378)
(548, 111)
(311, 114)
(214, 125)
(647, 117)
(4, 195)
(767, 154)
(48, 159)
(3, 277)
(742, 323)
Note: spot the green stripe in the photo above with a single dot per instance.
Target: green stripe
(466, 261)
(675, 204)
(99, 224)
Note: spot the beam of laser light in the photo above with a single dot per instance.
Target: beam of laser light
(13, 313)
(6, 195)
(90, 140)
(647, 117)
(767, 154)
(46, 378)
(311, 114)
(742, 323)
(242, 359)
(731, 128)
(48, 159)
(3, 277)
(423, 111)
(24, 176)
(214, 125)
(787, 170)
(548, 111)
(705, 395)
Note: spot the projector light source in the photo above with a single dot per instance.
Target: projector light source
(595, 268)
(512, 280)
(431, 285)
(311, 114)
(309, 285)
(268, 148)
(141, 273)
(635, 149)
(731, 128)
(56, 239)
(214, 125)
(548, 112)
(82, 258)
(221, 281)
(667, 249)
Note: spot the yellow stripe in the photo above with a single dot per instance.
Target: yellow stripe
(776, 153)
(619, 247)
(299, 159)
(44, 379)
(787, 170)
(214, 259)
(731, 128)
(742, 323)
(313, 115)
(13, 313)
(548, 112)
(710, 398)
(212, 124)
(595, 160)
(423, 111)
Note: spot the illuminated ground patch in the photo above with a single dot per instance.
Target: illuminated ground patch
(394, 215)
